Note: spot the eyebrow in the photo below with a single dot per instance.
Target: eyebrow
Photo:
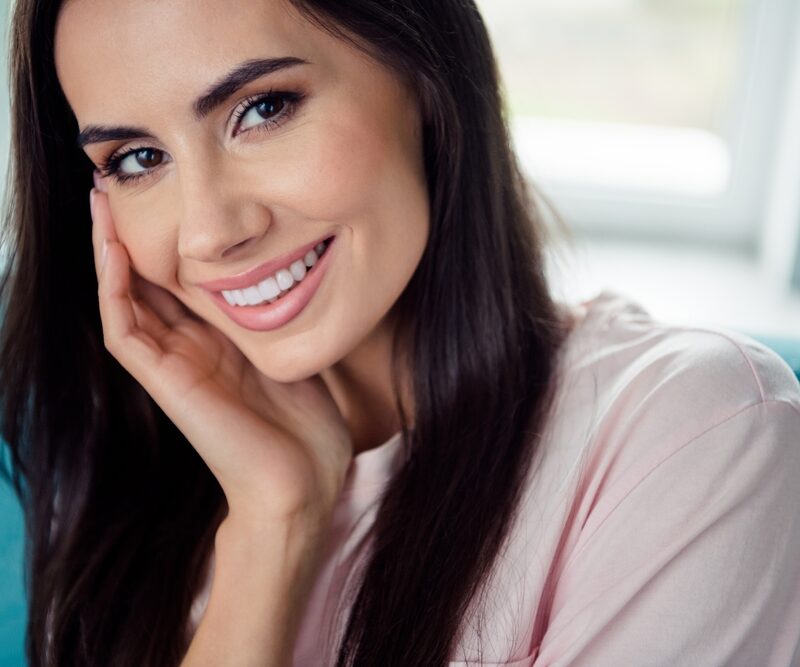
(216, 94)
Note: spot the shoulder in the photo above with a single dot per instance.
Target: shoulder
(685, 496)
(681, 380)
(640, 393)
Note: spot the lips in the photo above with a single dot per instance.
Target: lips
(273, 315)
(259, 273)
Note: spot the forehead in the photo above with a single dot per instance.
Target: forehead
(108, 51)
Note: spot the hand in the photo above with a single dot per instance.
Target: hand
(280, 451)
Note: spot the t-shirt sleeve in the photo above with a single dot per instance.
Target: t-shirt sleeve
(696, 562)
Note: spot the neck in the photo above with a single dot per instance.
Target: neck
(361, 386)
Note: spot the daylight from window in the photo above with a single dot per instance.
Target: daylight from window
(598, 86)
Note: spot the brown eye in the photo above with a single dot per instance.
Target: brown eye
(138, 162)
(147, 158)
(269, 107)
(267, 110)
(132, 165)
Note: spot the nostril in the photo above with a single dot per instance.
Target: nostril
(233, 248)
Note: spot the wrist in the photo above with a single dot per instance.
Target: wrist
(263, 575)
(298, 536)
(282, 558)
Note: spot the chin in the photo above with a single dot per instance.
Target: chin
(290, 369)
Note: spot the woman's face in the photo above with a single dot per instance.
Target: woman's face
(218, 185)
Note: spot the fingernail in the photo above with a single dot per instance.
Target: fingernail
(104, 254)
(96, 178)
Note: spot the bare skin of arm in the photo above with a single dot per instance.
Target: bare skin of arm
(260, 589)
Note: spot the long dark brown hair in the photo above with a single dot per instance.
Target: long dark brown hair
(120, 511)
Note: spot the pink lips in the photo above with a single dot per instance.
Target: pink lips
(267, 316)
(261, 272)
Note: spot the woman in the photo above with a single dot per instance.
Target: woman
(289, 387)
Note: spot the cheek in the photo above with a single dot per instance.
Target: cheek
(338, 172)
(151, 247)
(368, 174)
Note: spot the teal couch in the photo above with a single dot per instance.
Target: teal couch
(12, 600)
(788, 348)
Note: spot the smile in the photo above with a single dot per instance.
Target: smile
(271, 302)
(277, 285)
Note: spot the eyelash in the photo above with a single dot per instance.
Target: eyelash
(110, 165)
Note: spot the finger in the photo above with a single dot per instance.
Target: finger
(123, 337)
(124, 323)
(97, 239)
(103, 231)
(102, 225)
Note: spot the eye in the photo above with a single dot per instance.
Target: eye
(131, 165)
(147, 158)
(266, 111)
(257, 113)
(260, 112)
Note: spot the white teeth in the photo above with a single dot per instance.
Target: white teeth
(284, 278)
(298, 270)
(252, 296)
(270, 289)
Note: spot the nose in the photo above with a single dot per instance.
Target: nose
(218, 219)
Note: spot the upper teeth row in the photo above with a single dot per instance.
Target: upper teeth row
(271, 288)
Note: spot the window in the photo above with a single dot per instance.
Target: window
(649, 118)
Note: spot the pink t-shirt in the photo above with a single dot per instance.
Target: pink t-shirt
(662, 527)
